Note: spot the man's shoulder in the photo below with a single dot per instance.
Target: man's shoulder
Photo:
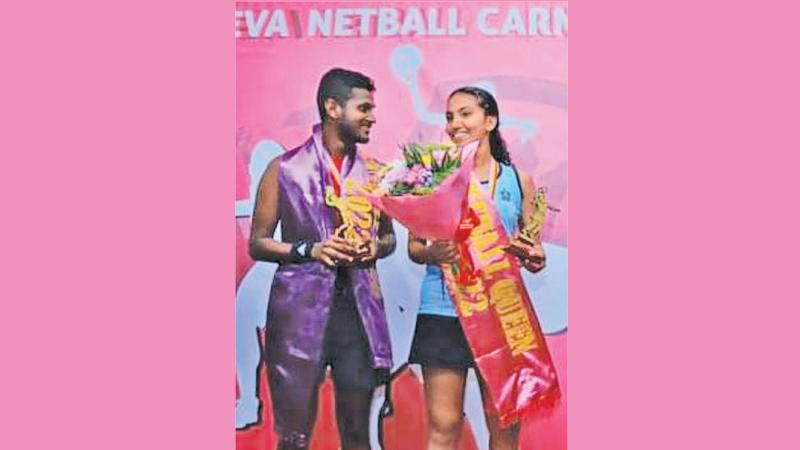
(304, 147)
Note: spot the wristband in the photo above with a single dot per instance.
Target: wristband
(301, 251)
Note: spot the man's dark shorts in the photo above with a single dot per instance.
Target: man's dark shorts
(346, 346)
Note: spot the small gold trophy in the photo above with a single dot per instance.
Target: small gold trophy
(531, 233)
(359, 219)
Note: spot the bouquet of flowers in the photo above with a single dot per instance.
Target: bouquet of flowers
(426, 189)
(422, 169)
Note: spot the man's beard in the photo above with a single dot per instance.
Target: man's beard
(349, 134)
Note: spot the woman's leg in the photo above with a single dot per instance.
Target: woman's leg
(499, 438)
(444, 400)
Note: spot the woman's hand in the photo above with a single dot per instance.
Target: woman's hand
(441, 252)
(531, 257)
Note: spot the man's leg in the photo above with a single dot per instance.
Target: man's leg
(294, 388)
(352, 417)
(354, 378)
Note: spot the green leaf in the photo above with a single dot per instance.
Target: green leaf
(434, 165)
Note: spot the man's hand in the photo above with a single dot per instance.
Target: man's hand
(334, 252)
(367, 252)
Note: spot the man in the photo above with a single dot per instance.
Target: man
(325, 305)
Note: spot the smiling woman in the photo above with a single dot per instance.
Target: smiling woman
(475, 311)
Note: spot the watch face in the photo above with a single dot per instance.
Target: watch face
(301, 249)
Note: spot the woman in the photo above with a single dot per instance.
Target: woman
(439, 345)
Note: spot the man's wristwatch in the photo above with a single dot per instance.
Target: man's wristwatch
(301, 251)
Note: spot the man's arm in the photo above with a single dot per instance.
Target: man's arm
(265, 219)
(333, 252)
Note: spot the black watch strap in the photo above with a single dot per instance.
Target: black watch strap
(307, 250)
(301, 251)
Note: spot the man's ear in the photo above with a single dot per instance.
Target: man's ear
(332, 108)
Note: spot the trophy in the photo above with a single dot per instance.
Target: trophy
(359, 221)
(531, 233)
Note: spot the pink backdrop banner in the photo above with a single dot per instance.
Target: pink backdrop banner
(417, 53)
(414, 70)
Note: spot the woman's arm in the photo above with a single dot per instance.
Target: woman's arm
(531, 257)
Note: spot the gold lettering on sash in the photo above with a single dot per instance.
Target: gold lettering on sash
(503, 293)
(475, 300)
(515, 322)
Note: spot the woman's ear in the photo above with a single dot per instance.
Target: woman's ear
(491, 123)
